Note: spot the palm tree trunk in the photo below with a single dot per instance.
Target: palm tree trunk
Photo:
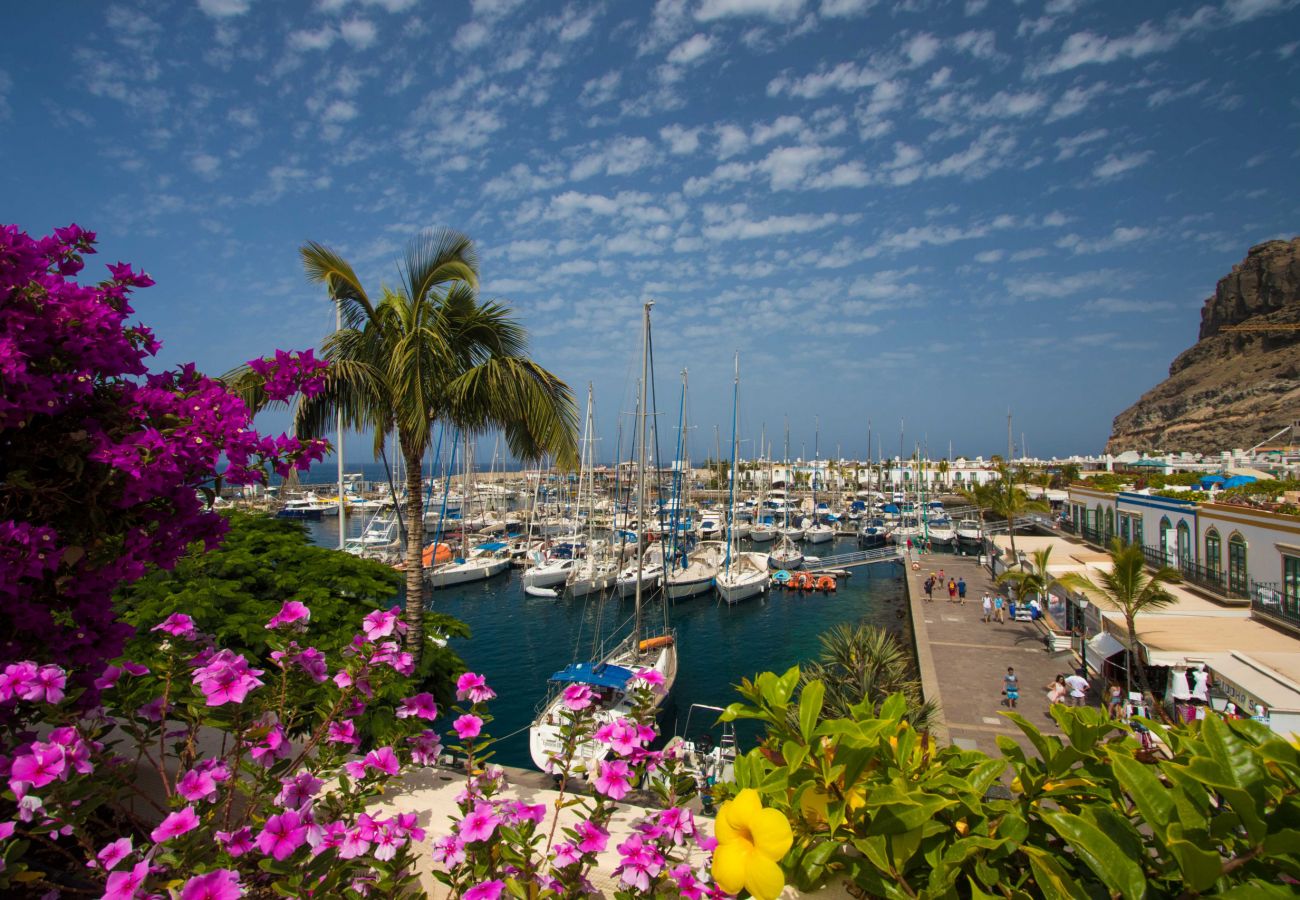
(1134, 662)
(414, 553)
(1011, 533)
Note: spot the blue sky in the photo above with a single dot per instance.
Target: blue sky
(921, 210)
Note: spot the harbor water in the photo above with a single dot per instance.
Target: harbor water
(518, 641)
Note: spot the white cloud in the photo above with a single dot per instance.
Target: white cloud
(360, 33)
(680, 140)
(731, 141)
(205, 164)
(922, 48)
(1114, 166)
(494, 9)
(1055, 219)
(1119, 237)
(975, 7)
(773, 226)
(1121, 305)
(1068, 147)
(843, 9)
(777, 10)
(845, 77)
(339, 111)
(392, 6)
(601, 90)
(979, 44)
(779, 127)
(989, 256)
(1049, 286)
(518, 180)
(691, 50)
(621, 156)
(320, 39)
(223, 9)
(471, 36)
(1074, 101)
(1245, 10)
(1008, 105)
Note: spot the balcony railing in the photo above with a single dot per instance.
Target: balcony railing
(1068, 526)
(1267, 601)
(1213, 580)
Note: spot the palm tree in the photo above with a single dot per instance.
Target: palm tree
(1038, 582)
(1131, 590)
(431, 351)
(942, 469)
(1006, 501)
(865, 664)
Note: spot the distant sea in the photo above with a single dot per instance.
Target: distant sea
(518, 641)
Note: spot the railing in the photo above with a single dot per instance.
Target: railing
(860, 558)
(1093, 535)
(1068, 526)
(1268, 602)
(1214, 580)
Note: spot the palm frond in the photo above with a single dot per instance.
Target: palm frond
(534, 408)
(326, 267)
(436, 257)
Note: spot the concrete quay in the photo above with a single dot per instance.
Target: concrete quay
(962, 660)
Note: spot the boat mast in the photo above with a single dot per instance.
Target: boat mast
(640, 469)
(731, 491)
(680, 463)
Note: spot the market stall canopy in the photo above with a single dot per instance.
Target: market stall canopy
(1104, 645)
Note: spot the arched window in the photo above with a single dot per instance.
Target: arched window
(1237, 577)
(1184, 544)
(1125, 529)
(1213, 553)
(1165, 550)
(1110, 523)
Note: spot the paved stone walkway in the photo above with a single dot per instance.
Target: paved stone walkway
(967, 658)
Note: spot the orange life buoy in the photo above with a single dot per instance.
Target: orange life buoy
(805, 581)
(826, 583)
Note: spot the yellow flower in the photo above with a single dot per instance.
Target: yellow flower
(751, 842)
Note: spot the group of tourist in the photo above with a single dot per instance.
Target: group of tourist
(956, 588)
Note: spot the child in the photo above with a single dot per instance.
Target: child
(1011, 687)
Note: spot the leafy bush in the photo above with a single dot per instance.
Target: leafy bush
(876, 802)
(263, 562)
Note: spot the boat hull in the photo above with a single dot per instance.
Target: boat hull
(465, 574)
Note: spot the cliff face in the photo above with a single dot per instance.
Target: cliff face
(1231, 388)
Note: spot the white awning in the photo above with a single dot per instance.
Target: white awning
(1104, 646)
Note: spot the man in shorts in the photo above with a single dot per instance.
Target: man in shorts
(961, 590)
(998, 603)
(1078, 686)
(988, 607)
(1011, 687)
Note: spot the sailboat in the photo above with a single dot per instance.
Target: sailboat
(816, 531)
(611, 677)
(743, 575)
(596, 572)
(477, 564)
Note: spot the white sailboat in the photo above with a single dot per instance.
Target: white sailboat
(596, 572)
(482, 562)
(611, 678)
(696, 577)
(743, 575)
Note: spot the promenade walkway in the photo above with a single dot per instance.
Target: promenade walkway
(963, 659)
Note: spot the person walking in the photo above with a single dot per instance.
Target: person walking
(988, 607)
(1056, 690)
(1011, 687)
(1114, 700)
(961, 590)
(952, 591)
(929, 590)
(1078, 686)
(998, 603)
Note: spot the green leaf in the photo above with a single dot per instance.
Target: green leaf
(1200, 867)
(1149, 795)
(810, 707)
(1052, 879)
(1046, 745)
(1232, 753)
(1102, 854)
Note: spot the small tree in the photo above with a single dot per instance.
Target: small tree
(861, 663)
(1038, 581)
(1131, 590)
(1005, 500)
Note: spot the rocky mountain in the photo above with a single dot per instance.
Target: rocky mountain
(1232, 388)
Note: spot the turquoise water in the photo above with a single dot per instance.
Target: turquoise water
(519, 640)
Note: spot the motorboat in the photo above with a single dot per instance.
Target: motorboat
(970, 534)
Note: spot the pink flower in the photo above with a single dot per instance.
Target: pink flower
(292, 611)
(473, 687)
(479, 824)
(282, 835)
(623, 735)
(220, 884)
(468, 727)
(114, 853)
(525, 812)
(449, 850)
(425, 748)
(312, 661)
(639, 862)
(43, 764)
(577, 696)
(688, 886)
(344, 732)
(196, 785)
(677, 823)
(379, 623)
(651, 677)
(6, 830)
(614, 780)
(125, 885)
(174, 825)
(488, 890)
(565, 855)
(236, 843)
(383, 759)
(177, 624)
(226, 678)
(299, 789)
(591, 837)
(421, 705)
